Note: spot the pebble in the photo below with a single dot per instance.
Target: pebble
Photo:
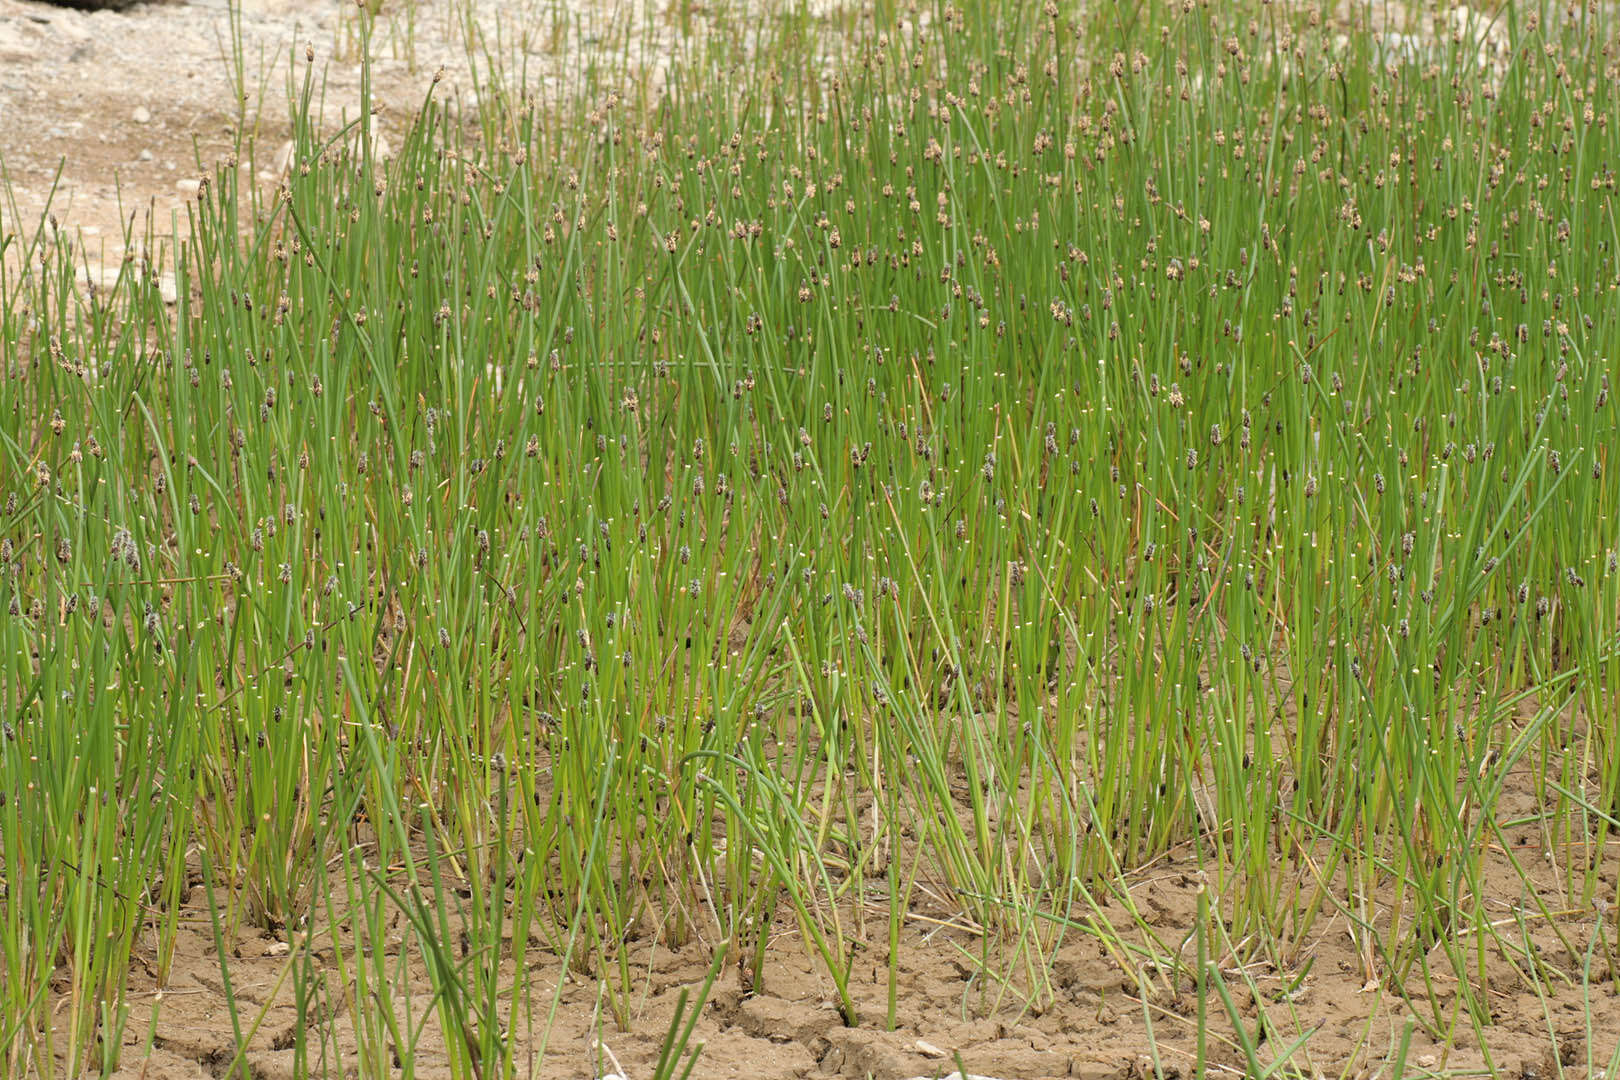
(145, 155)
(188, 186)
(141, 115)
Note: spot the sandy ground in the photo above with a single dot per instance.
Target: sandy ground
(109, 118)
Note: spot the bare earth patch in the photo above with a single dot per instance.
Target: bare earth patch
(789, 1026)
(109, 119)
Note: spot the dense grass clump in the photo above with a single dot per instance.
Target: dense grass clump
(1015, 448)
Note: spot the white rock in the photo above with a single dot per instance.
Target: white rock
(188, 186)
(141, 115)
(14, 45)
(70, 24)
